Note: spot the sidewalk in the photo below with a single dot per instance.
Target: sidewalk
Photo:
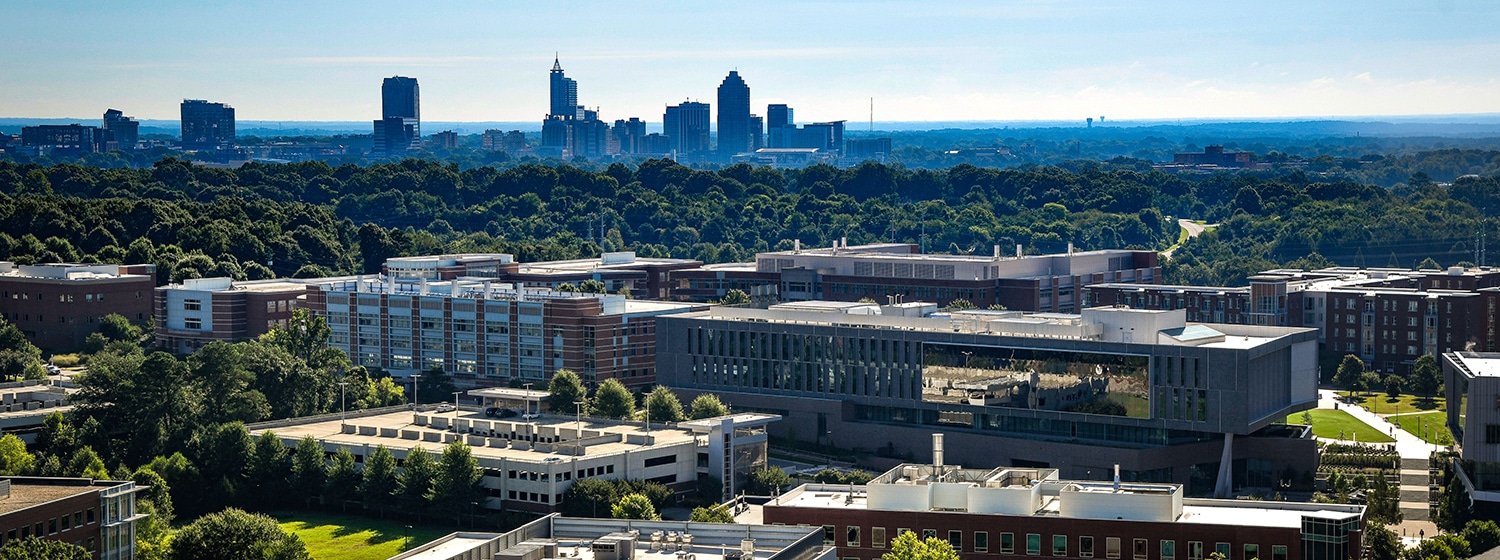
(1407, 445)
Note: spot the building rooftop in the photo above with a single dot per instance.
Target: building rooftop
(1040, 493)
(66, 271)
(1108, 324)
(1477, 364)
(554, 536)
(25, 492)
(557, 435)
(626, 260)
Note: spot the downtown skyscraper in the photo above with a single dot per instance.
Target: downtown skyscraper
(564, 93)
(207, 126)
(400, 126)
(686, 125)
(734, 116)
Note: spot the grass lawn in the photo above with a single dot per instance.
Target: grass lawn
(1337, 424)
(352, 537)
(1438, 431)
(1380, 403)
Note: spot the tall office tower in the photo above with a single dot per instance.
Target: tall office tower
(399, 129)
(734, 116)
(207, 126)
(399, 98)
(125, 130)
(687, 126)
(626, 135)
(779, 125)
(757, 132)
(564, 93)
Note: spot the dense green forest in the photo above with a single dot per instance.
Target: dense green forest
(312, 219)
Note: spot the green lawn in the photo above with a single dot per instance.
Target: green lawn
(1337, 424)
(1380, 403)
(1434, 422)
(352, 537)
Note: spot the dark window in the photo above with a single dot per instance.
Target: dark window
(663, 460)
(1492, 433)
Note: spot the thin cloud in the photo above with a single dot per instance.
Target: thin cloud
(432, 61)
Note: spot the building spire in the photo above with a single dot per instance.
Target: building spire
(556, 65)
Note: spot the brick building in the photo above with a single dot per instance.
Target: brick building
(1387, 317)
(1048, 283)
(58, 305)
(99, 516)
(995, 514)
(201, 310)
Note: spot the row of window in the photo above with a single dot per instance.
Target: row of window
(61, 298)
(1141, 549)
(19, 317)
(60, 524)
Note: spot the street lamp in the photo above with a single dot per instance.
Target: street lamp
(455, 410)
(527, 397)
(415, 378)
(342, 385)
(579, 420)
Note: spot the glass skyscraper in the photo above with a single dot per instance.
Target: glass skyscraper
(734, 116)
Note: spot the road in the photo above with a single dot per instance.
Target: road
(1193, 229)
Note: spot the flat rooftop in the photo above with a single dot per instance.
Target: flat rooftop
(327, 429)
(1478, 364)
(1286, 515)
(24, 494)
(573, 536)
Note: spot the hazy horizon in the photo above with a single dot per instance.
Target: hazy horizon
(921, 62)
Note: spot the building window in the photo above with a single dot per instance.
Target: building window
(1252, 552)
(981, 541)
(1059, 545)
(877, 537)
(851, 535)
(192, 305)
(1007, 543)
(1085, 547)
(1138, 550)
(1278, 552)
(1223, 549)
(1168, 550)
(929, 534)
(1112, 548)
(1033, 544)
(1195, 550)
(956, 540)
(828, 539)
(193, 323)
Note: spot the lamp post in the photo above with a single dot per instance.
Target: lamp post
(415, 378)
(527, 397)
(455, 410)
(342, 385)
(579, 420)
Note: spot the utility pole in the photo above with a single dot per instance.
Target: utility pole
(415, 378)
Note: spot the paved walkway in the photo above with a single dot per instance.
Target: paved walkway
(1414, 454)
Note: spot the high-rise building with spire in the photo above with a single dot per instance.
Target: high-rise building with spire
(734, 116)
(564, 93)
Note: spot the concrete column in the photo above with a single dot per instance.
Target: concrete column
(1225, 484)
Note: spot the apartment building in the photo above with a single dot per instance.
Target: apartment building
(1046, 283)
(97, 515)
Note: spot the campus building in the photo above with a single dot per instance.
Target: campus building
(1387, 317)
(529, 463)
(57, 305)
(98, 515)
(487, 333)
(1472, 386)
(1167, 400)
(198, 311)
(1049, 283)
(1008, 512)
(554, 536)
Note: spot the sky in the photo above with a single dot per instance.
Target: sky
(919, 61)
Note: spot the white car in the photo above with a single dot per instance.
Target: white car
(532, 416)
(445, 408)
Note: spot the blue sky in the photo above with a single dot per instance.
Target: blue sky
(1026, 60)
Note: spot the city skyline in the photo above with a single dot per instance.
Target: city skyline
(920, 62)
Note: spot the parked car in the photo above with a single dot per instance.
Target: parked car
(54, 370)
(445, 408)
(532, 416)
(497, 412)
